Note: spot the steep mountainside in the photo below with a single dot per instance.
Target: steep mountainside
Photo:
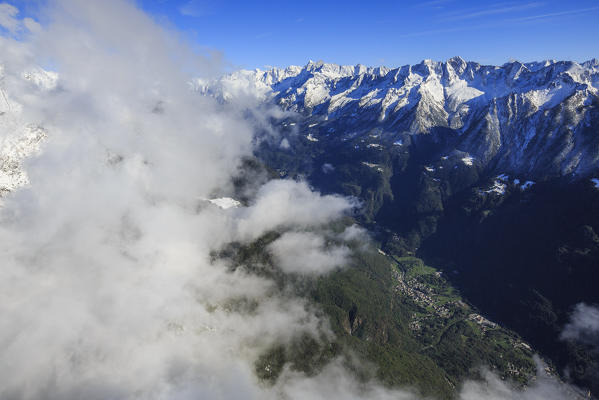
(396, 312)
(490, 173)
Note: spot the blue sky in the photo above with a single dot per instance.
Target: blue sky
(372, 32)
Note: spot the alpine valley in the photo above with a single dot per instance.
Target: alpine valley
(489, 174)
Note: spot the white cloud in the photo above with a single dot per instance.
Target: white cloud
(544, 387)
(195, 8)
(307, 253)
(8, 17)
(285, 203)
(334, 383)
(354, 233)
(327, 168)
(107, 287)
(583, 325)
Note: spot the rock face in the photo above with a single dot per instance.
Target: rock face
(535, 119)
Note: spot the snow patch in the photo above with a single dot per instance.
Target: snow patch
(526, 185)
(371, 165)
(14, 149)
(44, 80)
(311, 138)
(550, 96)
(468, 160)
(498, 188)
(459, 93)
(225, 202)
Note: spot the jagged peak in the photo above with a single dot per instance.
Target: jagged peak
(593, 62)
(359, 69)
(457, 60)
(492, 80)
(430, 64)
(538, 65)
(314, 64)
(457, 63)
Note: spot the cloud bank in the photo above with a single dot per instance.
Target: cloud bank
(107, 288)
(107, 285)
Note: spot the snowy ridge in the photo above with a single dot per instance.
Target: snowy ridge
(13, 150)
(533, 118)
(452, 84)
(23, 140)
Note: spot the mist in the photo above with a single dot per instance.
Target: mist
(583, 326)
(107, 288)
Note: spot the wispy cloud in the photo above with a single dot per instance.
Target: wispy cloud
(432, 3)
(499, 22)
(583, 326)
(195, 8)
(263, 35)
(506, 9)
(445, 30)
(556, 14)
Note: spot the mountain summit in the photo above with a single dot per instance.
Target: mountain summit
(536, 119)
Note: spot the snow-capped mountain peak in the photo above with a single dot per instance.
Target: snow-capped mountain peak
(538, 118)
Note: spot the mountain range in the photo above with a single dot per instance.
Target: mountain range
(488, 173)
(533, 119)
